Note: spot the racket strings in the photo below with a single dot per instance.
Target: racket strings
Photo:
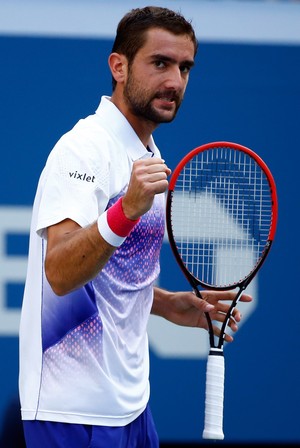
(221, 215)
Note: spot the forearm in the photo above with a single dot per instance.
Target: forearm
(76, 258)
(161, 299)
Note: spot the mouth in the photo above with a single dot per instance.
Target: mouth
(167, 99)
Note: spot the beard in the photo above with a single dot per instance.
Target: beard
(139, 100)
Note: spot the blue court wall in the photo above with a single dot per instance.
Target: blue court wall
(246, 93)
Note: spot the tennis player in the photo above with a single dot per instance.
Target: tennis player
(96, 234)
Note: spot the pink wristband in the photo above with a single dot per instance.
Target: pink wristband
(114, 226)
(117, 220)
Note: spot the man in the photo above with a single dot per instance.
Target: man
(97, 229)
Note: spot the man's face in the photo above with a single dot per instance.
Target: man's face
(158, 76)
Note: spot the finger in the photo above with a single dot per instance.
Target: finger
(232, 324)
(156, 164)
(236, 315)
(153, 160)
(215, 296)
(225, 295)
(246, 298)
(200, 304)
(157, 176)
(221, 316)
(227, 337)
(159, 169)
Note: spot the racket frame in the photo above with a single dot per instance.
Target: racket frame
(213, 427)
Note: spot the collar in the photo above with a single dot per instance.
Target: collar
(118, 125)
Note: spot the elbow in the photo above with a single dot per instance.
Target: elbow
(55, 279)
(59, 290)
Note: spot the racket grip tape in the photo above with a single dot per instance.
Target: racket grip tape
(214, 396)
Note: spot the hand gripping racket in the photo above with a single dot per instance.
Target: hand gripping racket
(221, 221)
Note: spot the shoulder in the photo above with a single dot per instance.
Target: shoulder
(88, 140)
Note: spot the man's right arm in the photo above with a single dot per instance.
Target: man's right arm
(76, 255)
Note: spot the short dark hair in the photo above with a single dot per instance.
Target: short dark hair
(132, 28)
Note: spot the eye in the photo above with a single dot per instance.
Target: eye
(159, 63)
(185, 69)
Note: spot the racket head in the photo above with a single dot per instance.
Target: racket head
(221, 221)
(221, 214)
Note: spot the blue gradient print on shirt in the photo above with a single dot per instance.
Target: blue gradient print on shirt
(134, 266)
(62, 314)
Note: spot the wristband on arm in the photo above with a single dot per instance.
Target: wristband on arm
(113, 225)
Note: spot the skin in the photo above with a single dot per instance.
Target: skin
(76, 255)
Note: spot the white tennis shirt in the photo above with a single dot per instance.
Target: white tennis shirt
(84, 356)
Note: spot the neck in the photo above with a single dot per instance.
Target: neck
(143, 128)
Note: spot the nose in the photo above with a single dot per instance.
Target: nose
(175, 80)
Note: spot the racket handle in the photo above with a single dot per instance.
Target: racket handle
(214, 395)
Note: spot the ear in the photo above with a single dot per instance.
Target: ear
(118, 67)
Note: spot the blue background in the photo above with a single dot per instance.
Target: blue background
(246, 93)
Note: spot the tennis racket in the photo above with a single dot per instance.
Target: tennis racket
(221, 219)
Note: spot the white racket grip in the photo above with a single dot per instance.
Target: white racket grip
(214, 396)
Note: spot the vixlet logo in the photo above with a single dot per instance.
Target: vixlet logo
(83, 177)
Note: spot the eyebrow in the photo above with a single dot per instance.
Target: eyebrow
(189, 63)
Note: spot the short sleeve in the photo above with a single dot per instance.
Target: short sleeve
(73, 185)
